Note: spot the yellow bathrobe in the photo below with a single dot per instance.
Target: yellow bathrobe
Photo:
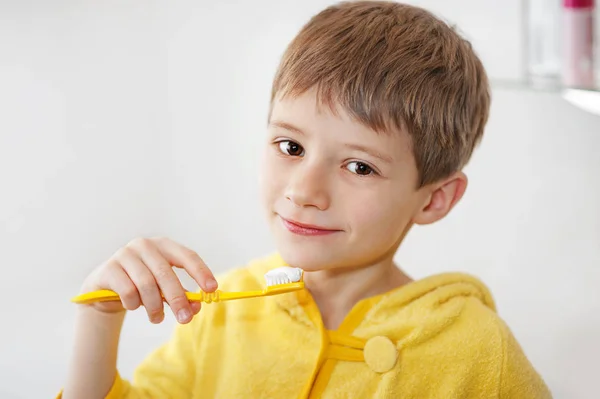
(435, 338)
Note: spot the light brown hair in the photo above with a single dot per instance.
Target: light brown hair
(394, 67)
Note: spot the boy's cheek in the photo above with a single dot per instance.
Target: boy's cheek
(273, 179)
(278, 171)
(381, 218)
(268, 167)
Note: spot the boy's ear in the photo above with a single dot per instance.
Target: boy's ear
(442, 197)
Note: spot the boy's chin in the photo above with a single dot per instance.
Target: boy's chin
(320, 259)
(308, 261)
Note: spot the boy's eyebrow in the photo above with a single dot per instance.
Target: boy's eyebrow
(286, 126)
(371, 152)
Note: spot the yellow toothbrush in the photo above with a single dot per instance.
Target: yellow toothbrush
(279, 281)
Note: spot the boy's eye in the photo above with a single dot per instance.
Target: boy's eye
(360, 168)
(291, 148)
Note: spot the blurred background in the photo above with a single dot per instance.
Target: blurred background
(125, 119)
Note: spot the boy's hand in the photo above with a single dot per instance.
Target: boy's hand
(142, 270)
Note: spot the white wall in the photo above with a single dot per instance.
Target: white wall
(120, 119)
(84, 155)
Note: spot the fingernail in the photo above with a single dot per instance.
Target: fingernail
(183, 315)
(211, 284)
(158, 318)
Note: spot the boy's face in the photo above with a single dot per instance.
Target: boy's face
(337, 193)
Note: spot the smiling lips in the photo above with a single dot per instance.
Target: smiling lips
(306, 229)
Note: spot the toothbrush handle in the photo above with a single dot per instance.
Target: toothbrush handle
(96, 296)
(201, 296)
(220, 296)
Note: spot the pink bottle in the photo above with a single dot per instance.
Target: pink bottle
(578, 43)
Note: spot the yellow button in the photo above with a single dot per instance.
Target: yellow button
(380, 354)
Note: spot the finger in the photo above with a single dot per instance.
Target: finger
(167, 281)
(183, 257)
(146, 285)
(196, 306)
(119, 281)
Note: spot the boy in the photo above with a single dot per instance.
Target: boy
(376, 108)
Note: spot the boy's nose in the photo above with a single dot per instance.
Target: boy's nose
(307, 187)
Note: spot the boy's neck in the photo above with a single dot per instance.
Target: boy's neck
(337, 291)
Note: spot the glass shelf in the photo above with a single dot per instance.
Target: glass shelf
(559, 46)
(587, 99)
(549, 86)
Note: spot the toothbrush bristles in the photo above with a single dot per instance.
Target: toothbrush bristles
(283, 275)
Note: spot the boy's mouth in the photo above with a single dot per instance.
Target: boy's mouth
(306, 229)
